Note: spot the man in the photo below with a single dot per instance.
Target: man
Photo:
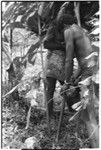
(54, 42)
(78, 43)
(55, 62)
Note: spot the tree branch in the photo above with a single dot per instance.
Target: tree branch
(77, 12)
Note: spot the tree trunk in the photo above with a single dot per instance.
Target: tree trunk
(77, 12)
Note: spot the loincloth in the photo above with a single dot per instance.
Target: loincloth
(55, 64)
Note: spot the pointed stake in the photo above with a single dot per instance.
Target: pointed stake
(60, 120)
(44, 74)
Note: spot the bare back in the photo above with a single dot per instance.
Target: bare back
(78, 43)
(82, 45)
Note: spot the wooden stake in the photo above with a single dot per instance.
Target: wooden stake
(44, 74)
(60, 120)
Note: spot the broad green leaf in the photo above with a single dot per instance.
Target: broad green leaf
(91, 55)
(85, 82)
(75, 116)
(77, 106)
(95, 77)
(44, 9)
(16, 25)
(10, 91)
(8, 11)
(28, 12)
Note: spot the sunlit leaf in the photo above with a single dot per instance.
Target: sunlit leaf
(97, 13)
(31, 142)
(8, 11)
(77, 106)
(91, 55)
(75, 116)
(44, 9)
(95, 77)
(34, 103)
(85, 82)
(10, 91)
(16, 25)
(96, 31)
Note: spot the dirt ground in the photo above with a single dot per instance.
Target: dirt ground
(72, 135)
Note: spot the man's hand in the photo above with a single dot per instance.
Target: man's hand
(64, 88)
(72, 80)
(69, 89)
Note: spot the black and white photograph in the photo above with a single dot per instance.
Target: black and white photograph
(50, 74)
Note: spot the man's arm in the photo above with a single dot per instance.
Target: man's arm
(68, 35)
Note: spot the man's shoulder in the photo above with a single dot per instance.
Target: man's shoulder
(72, 28)
(69, 30)
(75, 27)
(77, 31)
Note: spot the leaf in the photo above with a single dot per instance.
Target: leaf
(85, 102)
(95, 48)
(32, 51)
(34, 103)
(65, 4)
(12, 12)
(28, 12)
(32, 94)
(33, 47)
(75, 63)
(32, 57)
(95, 43)
(16, 25)
(96, 31)
(91, 64)
(5, 49)
(44, 9)
(95, 77)
(97, 13)
(84, 93)
(10, 91)
(8, 11)
(74, 116)
(91, 55)
(77, 106)
(85, 82)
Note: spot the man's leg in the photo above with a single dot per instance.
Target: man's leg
(51, 82)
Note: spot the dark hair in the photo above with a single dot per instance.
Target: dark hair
(67, 19)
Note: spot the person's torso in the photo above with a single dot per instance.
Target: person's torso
(82, 45)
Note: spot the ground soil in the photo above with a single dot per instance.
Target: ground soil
(72, 135)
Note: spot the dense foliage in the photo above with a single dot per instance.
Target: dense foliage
(22, 66)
